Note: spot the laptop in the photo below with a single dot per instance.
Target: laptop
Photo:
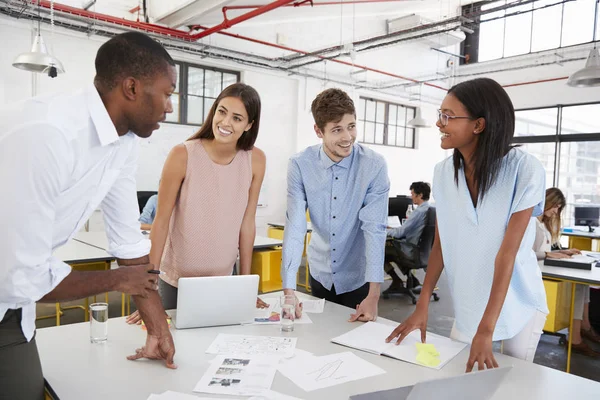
(215, 301)
(479, 385)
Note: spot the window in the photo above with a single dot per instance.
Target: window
(385, 123)
(526, 28)
(569, 151)
(197, 89)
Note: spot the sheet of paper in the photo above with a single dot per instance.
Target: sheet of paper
(273, 395)
(312, 373)
(239, 375)
(272, 314)
(592, 254)
(393, 221)
(313, 306)
(371, 337)
(580, 258)
(253, 345)
(170, 395)
(366, 337)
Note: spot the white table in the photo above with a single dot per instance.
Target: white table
(77, 369)
(99, 239)
(574, 276)
(75, 252)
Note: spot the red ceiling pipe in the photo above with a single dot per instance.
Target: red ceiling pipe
(363, 67)
(312, 4)
(538, 81)
(152, 28)
(244, 17)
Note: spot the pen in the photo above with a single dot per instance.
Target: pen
(155, 271)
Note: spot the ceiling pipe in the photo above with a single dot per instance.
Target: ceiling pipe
(161, 29)
(313, 4)
(174, 33)
(227, 23)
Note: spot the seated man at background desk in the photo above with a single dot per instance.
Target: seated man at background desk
(410, 232)
(345, 186)
(61, 156)
(148, 213)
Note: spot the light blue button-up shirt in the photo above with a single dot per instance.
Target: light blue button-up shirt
(348, 203)
(149, 212)
(471, 238)
(412, 228)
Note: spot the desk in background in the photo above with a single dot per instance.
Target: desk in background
(571, 276)
(77, 369)
(583, 240)
(266, 259)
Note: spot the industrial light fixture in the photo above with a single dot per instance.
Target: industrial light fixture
(589, 76)
(38, 59)
(418, 121)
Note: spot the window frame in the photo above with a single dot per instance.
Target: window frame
(182, 117)
(469, 48)
(362, 119)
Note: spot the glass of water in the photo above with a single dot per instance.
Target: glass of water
(288, 312)
(98, 322)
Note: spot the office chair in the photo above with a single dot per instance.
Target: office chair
(409, 256)
(143, 198)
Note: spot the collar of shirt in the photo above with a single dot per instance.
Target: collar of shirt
(105, 128)
(327, 162)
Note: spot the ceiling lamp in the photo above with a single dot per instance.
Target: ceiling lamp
(418, 121)
(38, 59)
(589, 76)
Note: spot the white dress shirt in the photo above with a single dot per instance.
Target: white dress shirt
(60, 159)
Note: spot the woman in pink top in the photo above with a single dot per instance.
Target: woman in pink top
(208, 195)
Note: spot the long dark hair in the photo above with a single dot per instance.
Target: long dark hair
(485, 98)
(249, 96)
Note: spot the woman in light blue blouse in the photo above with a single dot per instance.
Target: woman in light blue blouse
(486, 194)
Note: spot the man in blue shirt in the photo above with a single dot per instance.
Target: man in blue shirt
(149, 213)
(410, 232)
(345, 186)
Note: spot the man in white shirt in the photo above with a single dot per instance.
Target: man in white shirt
(61, 157)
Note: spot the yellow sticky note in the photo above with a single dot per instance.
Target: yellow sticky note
(427, 355)
(428, 348)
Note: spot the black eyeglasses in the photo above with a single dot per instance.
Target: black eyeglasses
(444, 118)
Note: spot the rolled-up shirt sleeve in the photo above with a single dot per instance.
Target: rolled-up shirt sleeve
(121, 212)
(31, 179)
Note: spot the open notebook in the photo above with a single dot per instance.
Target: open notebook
(370, 337)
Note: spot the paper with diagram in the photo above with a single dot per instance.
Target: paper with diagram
(170, 395)
(253, 345)
(272, 314)
(313, 306)
(370, 337)
(239, 375)
(312, 373)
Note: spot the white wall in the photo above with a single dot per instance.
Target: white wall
(286, 122)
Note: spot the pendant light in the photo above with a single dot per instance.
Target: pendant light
(588, 76)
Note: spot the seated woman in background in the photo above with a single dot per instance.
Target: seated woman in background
(548, 234)
(148, 213)
(208, 195)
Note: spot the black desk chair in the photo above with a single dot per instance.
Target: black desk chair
(408, 256)
(143, 198)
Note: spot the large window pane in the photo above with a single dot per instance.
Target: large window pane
(546, 23)
(194, 110)
(491, 40)
(536, 122)
(212, 83)
(578, 22)
(208, 102)
(370, 113)
(379, 133)
(400, 136)
(174, 116)
(410, 135)
(369, 132)
(544, 152)
(517, 31)
(229, 79)
(581, 119)
(579, 175)
(195, 81)
(380, 117)
(393, 111)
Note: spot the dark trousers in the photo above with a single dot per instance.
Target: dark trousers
(20, 368)
(348, 299)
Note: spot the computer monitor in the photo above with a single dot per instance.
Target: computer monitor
(397, 206)
(587, 216)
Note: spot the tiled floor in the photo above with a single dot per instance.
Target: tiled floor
(441, 317)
